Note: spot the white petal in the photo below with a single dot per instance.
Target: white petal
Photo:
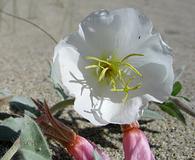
(157, 81)
(115, 31)
(150, 98)
(123, 113)
(134, 26)
(66, 60)
(101, 111)
(155, 66)
(85, 105)
(154, 49)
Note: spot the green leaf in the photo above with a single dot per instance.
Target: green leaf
(15, 124)
(24, 105)
(61, 105)
(185, 98)
(5, 115)
(7, 134)
(171, 109)
(60, 91)
(33, 145)
(183, 105)
(149, 114)
(177, 87)
(10, 153)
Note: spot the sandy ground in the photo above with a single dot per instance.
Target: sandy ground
(25, 51)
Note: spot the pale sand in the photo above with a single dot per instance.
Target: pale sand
(24, 52)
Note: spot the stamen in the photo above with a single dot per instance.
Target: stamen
(91, 66)
(113, 83)
(102, 74)
(130, 55)
(135, 87)
(133, 69)
(97, 59)
(127, 89)
(116, 73)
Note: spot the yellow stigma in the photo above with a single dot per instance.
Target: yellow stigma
(117, 73)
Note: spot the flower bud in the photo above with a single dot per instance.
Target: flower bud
(81, 149)
(77, 146)
(135, 143)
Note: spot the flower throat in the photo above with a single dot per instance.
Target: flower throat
(118, 73)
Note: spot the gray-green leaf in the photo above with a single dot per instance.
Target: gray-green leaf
(184, 105)
(15, 124)
(22, 104)
(149, 114)
(177, 87)
(61, 105)
(33, 145)
(171, 109)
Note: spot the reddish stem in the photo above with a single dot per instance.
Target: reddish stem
(65, 132)
(128, 127)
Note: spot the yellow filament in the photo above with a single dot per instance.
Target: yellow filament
(133, 69)
(97, 59)
(115, 72)
(91, 66)
(102, 74)
(131, 55)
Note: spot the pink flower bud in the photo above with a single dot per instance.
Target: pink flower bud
(77, 146)
(135, 144)
(81, 149)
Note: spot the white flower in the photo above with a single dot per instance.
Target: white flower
(113, 66)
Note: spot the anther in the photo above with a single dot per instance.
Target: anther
(116, 72)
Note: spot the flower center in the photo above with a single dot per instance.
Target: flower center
(117, 73)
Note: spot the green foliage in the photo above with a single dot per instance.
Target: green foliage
(184, 105)
(18, 104)
(150, 114)
(33, 145)
(185, 98)
(61, 105)
(24, 105)
(15, 124)
(60, 92)
(177, 87)
(170, 108)
(4, 115)
(7, 134)
(175, 102)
